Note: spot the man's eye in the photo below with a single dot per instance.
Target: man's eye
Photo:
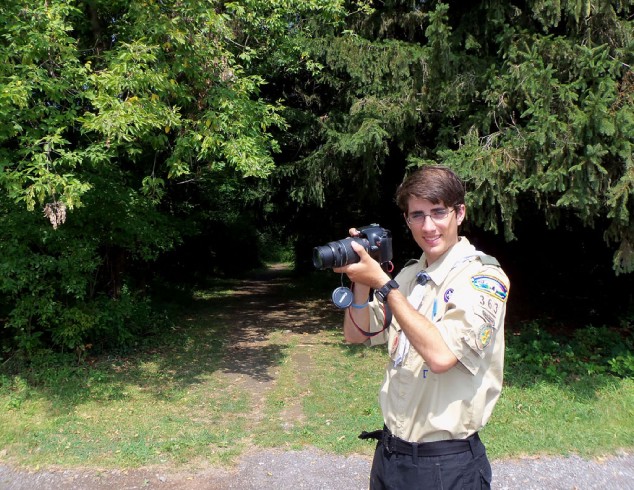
(439, 213)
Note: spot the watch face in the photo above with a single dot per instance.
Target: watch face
(342, 297)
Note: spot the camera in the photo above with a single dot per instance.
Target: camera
(377, 241)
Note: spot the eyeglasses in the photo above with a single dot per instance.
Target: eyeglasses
(436, 215)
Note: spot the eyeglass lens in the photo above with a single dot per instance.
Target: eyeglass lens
(435, 215)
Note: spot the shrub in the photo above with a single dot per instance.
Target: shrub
(536, 354)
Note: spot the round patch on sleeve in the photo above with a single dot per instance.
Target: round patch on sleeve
(484, 336)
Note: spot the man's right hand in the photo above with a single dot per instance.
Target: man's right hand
(367, 271)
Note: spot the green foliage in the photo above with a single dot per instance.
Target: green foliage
(552, 132)
(275, 248)
(42, 94)
(166, 87)
(72, 286)
(531, 104)
(156, 127)
(560, 130)
(623, 365)
(535, 355)
(108, 110)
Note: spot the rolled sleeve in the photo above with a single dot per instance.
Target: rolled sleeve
(459, 335)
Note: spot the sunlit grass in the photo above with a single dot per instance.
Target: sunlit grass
(337, 397)
(131, 421)
(172, 403)
(591, 417)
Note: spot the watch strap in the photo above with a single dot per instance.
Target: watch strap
(385, 290)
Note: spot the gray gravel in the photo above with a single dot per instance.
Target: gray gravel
(316, 470)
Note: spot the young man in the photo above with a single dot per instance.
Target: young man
(445, 342)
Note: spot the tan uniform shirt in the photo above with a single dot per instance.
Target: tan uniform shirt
(466, 300)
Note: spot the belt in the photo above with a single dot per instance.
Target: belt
(393, 444)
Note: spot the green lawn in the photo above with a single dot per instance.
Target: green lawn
(179, 401)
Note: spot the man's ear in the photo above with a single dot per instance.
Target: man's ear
(461, 214)
(406, 222)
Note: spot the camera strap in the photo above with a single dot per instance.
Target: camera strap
(387, 314)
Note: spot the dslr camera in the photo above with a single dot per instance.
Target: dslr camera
(377, 241)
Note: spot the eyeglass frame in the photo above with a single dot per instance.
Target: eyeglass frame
(421, 217)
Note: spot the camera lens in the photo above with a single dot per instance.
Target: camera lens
(321, 256)
(336, 254)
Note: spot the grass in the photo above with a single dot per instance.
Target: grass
(553, 419)
(172, 402)
(158, 406)
(338, 396)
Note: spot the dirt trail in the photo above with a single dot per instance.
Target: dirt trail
(258, 306)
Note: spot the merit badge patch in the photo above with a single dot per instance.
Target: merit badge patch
(484, 336)
(490, 285)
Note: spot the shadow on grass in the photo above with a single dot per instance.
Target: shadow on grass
(221, 328)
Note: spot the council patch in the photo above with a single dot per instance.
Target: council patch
(490, 285)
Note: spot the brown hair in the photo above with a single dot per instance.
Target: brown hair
(435, 183)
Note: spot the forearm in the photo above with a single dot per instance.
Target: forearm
(365, 274)
(358, 316)
(423, 335)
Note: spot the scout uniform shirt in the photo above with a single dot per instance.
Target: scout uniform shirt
(464, 295)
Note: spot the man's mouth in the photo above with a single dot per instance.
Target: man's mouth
(431, 240)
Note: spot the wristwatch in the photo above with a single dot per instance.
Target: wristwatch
(385, 290)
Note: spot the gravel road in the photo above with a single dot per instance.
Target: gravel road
(316, 470)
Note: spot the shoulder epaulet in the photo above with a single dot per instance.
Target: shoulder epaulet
(410, 262)
(488, 260)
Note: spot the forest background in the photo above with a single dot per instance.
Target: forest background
(149, 142)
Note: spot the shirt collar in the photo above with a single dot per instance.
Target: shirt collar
(439, 270)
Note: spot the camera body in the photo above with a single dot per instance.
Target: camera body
(377, 241)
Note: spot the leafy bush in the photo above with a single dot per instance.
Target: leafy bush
(536, 354)
(623, 365)
(79, 284)
(274, 247)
